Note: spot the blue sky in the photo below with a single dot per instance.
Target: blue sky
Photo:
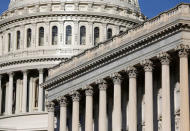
(149, 8)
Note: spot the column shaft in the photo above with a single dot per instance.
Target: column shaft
(10, 94)
(51, 116)
(75, 113)
(24, 93)
(149, 126)
(89, 110)
(63, 114)
(166, 112)
(103, 106)
(116, 121)
(40, 97)
(18, 96)
(132, 99)
(184, 91)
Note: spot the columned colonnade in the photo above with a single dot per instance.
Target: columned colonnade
(132, 72)
(21, 92)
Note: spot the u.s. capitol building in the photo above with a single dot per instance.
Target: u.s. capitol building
(93, 65)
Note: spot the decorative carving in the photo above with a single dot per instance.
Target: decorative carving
(50, 106)
(182, 50)
(89, 91)
(102, 84)
(75, 96)
(164, 58)
(62, 101)
(148, 65)
(132, 72)
(116, 77)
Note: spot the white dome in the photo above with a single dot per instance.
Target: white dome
(132, 4)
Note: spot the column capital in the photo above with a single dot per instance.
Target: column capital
(50, 106)
(116, 77)
(132, 72)
(148, 65)
(75, 96)
(41, 71)
(62, 101)
(182, 50)
(164, 58)
(102, 84)
(25, 71)
(10, 73)
(89, 91)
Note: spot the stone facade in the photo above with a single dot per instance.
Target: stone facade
(136, 81)
(36, 35)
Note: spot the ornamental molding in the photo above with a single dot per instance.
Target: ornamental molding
(57, 16)
(15, 62)
(117, 47)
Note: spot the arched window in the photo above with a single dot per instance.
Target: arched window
(41, 36)
(18, 39)
(82, 35)
(29, 37)
(54, 35)
(9, 42)
(96, 35)
(109, 33)
(68, 35)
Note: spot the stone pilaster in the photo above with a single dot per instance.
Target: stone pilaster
(148, 67)
(166, 111)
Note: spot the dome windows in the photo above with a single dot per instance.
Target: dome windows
(82, 35)
(29, 37)
(41, 36)
(96, 35)
(54, 35)
(18, 41)
(68, 35)
(9, 42)
(109, 33)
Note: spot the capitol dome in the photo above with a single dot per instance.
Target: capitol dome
(36, 35)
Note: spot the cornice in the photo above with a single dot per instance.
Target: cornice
(114, 54)
(47, 15)
(14, 62)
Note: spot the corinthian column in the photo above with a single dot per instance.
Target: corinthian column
(132, 72)
(89, 109)
(184, 88)
(50, 107)
(63, 114)
(116, 121)
(166, 113)
(102, 105)
(148, 95)
(40, 97)
(24, 93)
(75, 114)
(10, 94)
